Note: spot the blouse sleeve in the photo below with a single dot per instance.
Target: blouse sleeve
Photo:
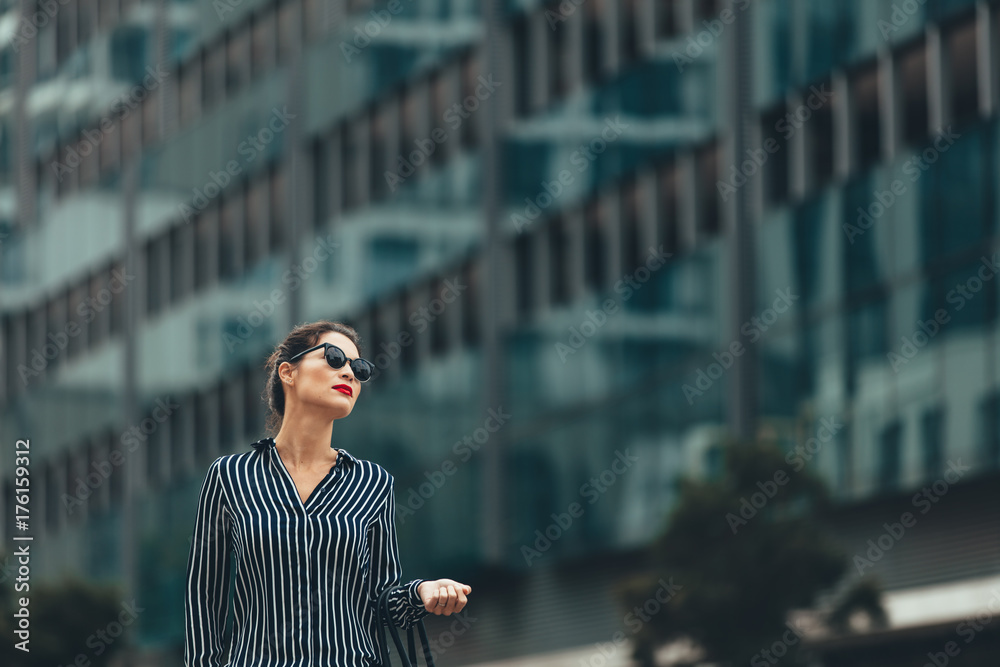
(206, 603)
(405, 605)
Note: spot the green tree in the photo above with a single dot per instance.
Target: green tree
(68, 619)
(746, 545)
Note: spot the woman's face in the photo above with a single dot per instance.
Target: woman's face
(315, 385)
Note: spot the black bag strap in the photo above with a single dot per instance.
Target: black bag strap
(408, 658)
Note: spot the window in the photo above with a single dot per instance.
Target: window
(348, 166)
(206, 426)
(77, 300)
(470, 303)
(213, 79)
(110, 146)
(289, 29)
(706, 10)
(180, 270)
(989, 429)
(154, 272)
(439, 102)
(258, 232)
(668, 208)
(321, 181)
(525, 278)
(630, 227)
(709, 210)
(628, 39)
(65, 32)
(206, 263)
(666, 18)
(253, 382)
(54, 478)
(230, 398)
(237, 57)
(819, 135)
(151, 117)
(190, 91)
(439, 325)
(555, 39)
(594, 246)
(108, 13)
(470, 74)
(521, 37)
(117, 300)
(774, 129)
(278, 207)
(56, 324)
(558, 260)
(87, 11)
(890, 444)
(961, 71)
(406, 304)
(593, 43)
(262, 54)
(932, 441)
(230, 228)
(154, 458)
(314, 18)
(864, 96)
(96, 307)
(377, 146)
(913, 93)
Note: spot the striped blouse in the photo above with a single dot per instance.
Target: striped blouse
(307, 574)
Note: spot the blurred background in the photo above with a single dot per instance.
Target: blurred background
(683, 310)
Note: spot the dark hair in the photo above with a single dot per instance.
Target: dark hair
(300, 338)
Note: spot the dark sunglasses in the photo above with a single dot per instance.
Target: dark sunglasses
(362, 368)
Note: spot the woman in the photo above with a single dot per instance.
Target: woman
(311, 528)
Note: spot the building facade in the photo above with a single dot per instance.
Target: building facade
(488, 189)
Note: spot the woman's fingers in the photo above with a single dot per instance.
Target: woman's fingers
(450, 598)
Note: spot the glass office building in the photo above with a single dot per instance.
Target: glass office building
(488, 196)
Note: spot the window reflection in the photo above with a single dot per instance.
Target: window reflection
(913, 99)
(864, 96)
(960, 44)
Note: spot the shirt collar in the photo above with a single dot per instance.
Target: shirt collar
(266, 444)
